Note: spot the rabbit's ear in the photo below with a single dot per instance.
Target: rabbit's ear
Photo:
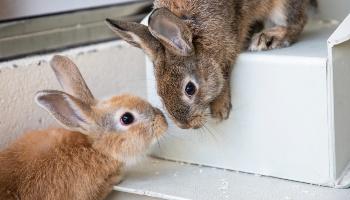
(68, 110)
(137, 35)
(171, 31)
(70, 79)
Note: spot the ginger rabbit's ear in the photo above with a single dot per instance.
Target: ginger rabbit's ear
(171, 31)
(66, 109)
(137, 35)
(69, 77)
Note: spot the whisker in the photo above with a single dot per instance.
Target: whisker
(174, 136)
(213, 130)
(210, 132)
(158, 144)
(200, 131)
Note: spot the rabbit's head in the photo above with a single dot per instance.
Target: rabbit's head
(188, 80)
(122, 126)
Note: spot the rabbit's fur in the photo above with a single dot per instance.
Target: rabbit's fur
(85, 160)
(198, 41)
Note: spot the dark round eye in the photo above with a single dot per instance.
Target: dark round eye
(190, 89)
(127, 118)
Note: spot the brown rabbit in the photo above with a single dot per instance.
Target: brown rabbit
(83, 161)
(194, 44)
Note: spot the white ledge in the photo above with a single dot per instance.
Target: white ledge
(181, 181)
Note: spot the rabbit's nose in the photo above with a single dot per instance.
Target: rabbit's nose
(198, 126)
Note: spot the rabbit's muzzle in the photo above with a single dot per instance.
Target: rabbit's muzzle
(160, 124)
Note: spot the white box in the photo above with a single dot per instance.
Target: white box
(290, 117)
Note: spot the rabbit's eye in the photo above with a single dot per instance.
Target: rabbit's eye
(190, 89)
(127, 118)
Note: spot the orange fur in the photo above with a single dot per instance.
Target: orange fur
(81, 165)
(56, 164)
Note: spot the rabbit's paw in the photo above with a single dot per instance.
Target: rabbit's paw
(273, 38)
(221, 107)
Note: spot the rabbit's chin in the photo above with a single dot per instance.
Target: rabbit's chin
(133, 160)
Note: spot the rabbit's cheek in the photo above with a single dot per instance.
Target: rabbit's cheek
(140, 134)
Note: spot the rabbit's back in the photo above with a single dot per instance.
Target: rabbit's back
(215, 24)
(55, 164)
(221, 27)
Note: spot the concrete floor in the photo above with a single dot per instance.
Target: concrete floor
(178, 181)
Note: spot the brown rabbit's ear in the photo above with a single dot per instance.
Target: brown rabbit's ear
(70, 79)
(137, 35)
(68, 110)
(171, 31)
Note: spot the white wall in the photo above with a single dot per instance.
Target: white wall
(108, 68)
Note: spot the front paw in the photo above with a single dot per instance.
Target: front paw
(273, 38)
(221, 107)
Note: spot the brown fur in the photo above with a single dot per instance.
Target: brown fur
(67, 164)
(218, 31)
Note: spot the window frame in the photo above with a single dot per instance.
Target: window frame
(47, 33)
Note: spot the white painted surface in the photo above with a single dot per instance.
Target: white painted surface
(341, 34)
(279, 125)
(109, 68)
(187, 182)
(341, 70)
(339, 98)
